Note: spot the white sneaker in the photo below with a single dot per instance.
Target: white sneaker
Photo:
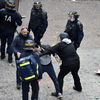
(60, 97)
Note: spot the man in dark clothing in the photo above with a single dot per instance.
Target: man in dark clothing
(47, 66)
(75, 29)
(18, 48)
(28, 52)
(38, 22)
(9, 19)
(70, 61)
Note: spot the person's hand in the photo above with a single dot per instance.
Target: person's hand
(57, 58)
(18, 54)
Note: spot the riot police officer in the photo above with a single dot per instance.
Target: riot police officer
(10, 19)
(38, 22)
(75, 29)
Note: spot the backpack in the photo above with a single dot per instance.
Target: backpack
(28, 68)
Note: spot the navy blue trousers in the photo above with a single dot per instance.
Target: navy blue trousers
(25, 90)
(6, 39)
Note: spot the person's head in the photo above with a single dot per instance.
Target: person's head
(24, 31)
(10, 4)
(37, 5)
(73, 16)
(63, 35)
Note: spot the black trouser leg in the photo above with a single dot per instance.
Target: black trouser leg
(35, 90)
(3, 45)
(9, 48)
(9, 42)
(18, 80)
(37, 38)
(25, 90)
(61, 75)
(76, 78)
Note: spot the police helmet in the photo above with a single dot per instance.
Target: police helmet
(63, 35)
(74, 13)
(10, 4)
(29, 44)
(37, 5)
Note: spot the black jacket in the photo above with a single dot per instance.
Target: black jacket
(38, 20)
(19, 42)
(75, 31)
(9, 20)
(66, 52)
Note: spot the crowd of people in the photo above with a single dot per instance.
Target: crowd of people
(32, 58)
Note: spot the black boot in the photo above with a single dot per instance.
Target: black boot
(77, 89)
(18, 86)
(3, 56)
(10, 58)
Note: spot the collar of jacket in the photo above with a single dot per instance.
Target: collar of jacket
(23, 37)
(66, 40)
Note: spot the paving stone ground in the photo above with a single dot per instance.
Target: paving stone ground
(89, 51)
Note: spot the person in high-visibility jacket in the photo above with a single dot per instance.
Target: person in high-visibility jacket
(29, 52)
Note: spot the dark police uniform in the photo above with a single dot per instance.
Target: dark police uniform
(75, 31)
(9, 19)
(38, 24)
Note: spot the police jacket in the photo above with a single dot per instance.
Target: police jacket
(66, 52)
(9, 19)
(26, 53)
(75, 31)
(19, 42)
(38, 20)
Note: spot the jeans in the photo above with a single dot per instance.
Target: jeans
(50, 70)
